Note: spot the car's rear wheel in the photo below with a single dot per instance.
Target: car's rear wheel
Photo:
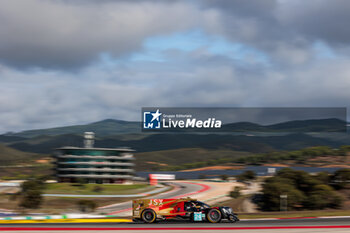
(149, 216)
(214, 215)
(191, 217)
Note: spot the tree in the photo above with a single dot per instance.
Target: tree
(323, 196)
(247, 175)
(224, 177)
(272, 192)
(302, 189)
(343, 150)
(341, 179)
(33, 184)
(301, 179)
(31, 199)
(323, 177)
(236, 192)
(30, 193)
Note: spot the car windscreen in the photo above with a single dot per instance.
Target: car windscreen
(199, 203)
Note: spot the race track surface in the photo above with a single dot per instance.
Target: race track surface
(336, 225)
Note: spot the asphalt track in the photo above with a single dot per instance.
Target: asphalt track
(312, 225)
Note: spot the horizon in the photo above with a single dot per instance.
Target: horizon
(139, 122)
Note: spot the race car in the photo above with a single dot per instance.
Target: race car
(151, 210)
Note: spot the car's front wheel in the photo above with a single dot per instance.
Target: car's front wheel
(233, 218)
(149, 216)
(214, 215)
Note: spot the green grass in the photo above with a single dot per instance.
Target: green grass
(163, 159)
(89, 189)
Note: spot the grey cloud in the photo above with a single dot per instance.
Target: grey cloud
(69, 34)
(285, 30)
(47, 99)
(66, 34)
(284, 19)
(318, 19)
(252, 8)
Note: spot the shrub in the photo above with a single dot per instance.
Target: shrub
(341, 179)
(33, 184)
(30, 193)
(301, 179)
(247, 175)
(224, 177)
(323, 196)
(236, 192)
(31, 199)
(302, 189)
(272, 192)
(86, 205)
(98, 189)
(323, 177)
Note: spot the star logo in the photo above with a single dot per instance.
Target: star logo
(152, 120)
(156, 115)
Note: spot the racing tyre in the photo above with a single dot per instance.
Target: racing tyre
(149, 216)
(192, 217)
(214, 215)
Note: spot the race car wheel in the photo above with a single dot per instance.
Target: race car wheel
(214, 216)
(149, 216)
(192, 217)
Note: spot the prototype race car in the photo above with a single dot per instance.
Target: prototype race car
(151, 210)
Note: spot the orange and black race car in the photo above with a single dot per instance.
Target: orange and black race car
(151, 210)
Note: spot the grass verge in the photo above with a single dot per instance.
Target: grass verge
(96, 189)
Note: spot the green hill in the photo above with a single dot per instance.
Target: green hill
(110, 127)
(318, 125)
(101, 128)
(158, 142)
(300, 126)
(10, 156)
(166, 147)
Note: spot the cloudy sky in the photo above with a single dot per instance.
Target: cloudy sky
(65, 62)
